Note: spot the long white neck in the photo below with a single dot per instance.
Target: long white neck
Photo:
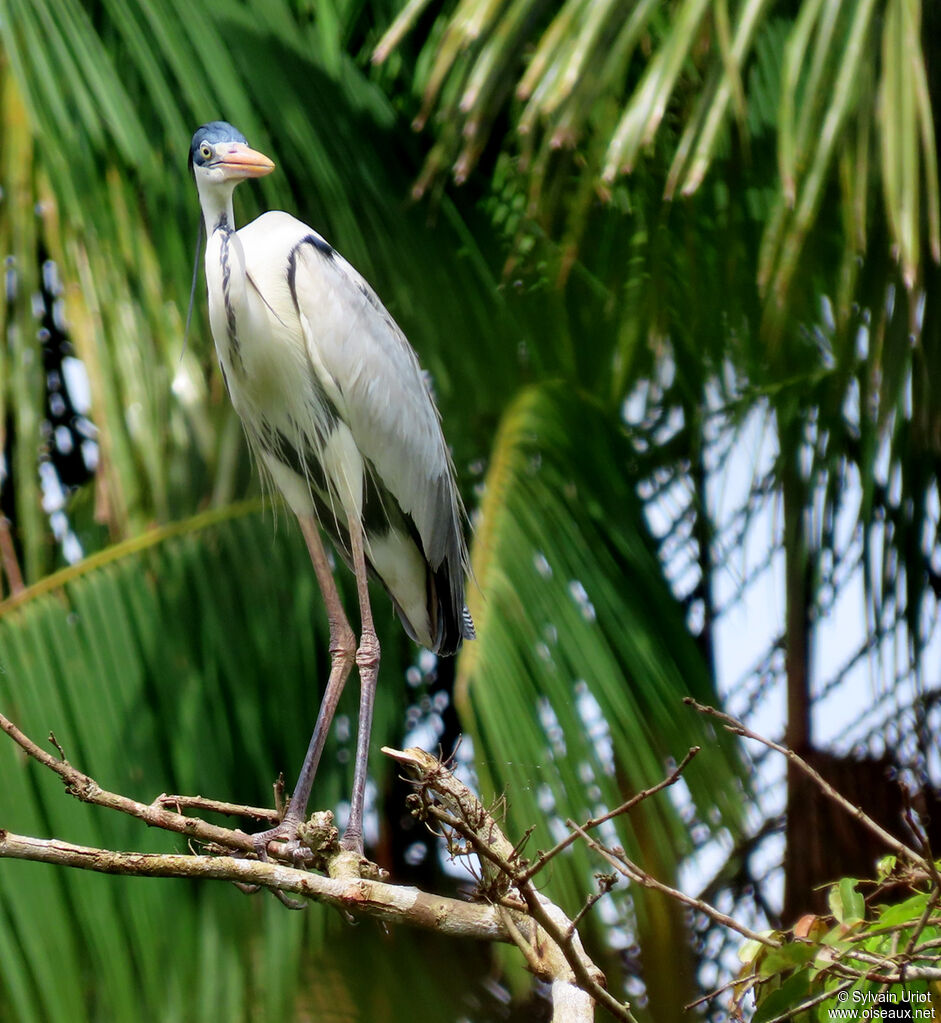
(225, 271)
(216, 202)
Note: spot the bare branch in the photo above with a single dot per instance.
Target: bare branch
(551, 948)
(390, 903)
(88, 790)
(546, 937)
(516, 912)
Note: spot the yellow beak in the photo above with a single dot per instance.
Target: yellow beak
(241, 162)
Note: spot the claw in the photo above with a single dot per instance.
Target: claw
(288, 901)
(254, 889)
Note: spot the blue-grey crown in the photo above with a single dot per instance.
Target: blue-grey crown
(213, 133)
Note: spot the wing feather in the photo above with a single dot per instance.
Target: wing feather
(379, 390)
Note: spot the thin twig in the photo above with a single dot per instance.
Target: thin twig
(633, 872)
(923, 920)
(53, 741)
(671, 779)
(715, 992)
(919, 832)
(565, 940)
(811, 1002)
(898, 976)
(736, 727)
(205, 804)
(85, 788)
(464, 814)
(520, 845)
(605, 883)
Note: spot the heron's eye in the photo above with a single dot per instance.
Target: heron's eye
(205, 150)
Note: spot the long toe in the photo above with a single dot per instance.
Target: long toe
(285, 834)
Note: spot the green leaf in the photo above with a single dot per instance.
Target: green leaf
(846, 903)
(748, 951)
(786, 958)
(909, 911)
(885, 866)
(779, 1001)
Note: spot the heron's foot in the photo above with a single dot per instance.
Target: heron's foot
(315, 844)
(284, 834)
(303, 844)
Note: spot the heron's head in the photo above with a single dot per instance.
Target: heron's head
(219, 154)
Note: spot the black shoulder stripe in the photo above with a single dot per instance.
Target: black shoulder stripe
(324, 248)
(292, 277)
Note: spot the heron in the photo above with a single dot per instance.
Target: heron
(339, 418)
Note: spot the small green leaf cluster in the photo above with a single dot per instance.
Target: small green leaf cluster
(875, 961)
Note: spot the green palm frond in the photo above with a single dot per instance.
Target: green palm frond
(591, 90)
(154, 665)
(573, 689)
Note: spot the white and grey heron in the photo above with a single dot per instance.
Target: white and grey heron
(338, 415)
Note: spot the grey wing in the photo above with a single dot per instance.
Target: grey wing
(374, 378)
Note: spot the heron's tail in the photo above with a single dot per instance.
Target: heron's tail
(450, 618)
(449, 622)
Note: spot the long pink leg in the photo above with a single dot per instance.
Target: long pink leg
(367, 660)
(342, 648)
